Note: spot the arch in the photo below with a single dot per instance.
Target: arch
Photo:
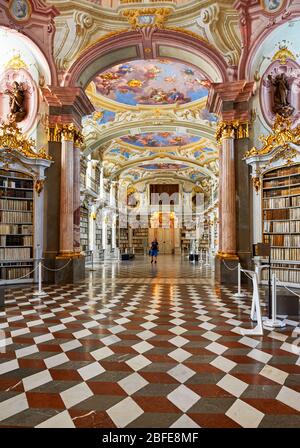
(267, 38)
(47, 67)
(101, 136)
(191, 163)
(128, 46)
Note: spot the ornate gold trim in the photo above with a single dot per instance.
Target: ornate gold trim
(12, 139)
(282, 135)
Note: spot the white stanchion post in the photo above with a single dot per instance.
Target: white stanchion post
(274, 322)
(40, 292)
(201, 256)
(255, 309)
(239, 293)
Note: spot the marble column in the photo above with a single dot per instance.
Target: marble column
(220, 201)
(228, 204)
(76, 196)
(66, 241)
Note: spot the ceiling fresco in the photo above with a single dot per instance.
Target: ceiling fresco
(163, 166)
(152, 82)
(160, 139)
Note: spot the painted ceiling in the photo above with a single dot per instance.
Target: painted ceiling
(160, 139)
(152, 82)
(163, 166)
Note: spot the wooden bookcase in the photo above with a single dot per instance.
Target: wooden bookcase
(84, 229)
(16, 226)
(281, 222)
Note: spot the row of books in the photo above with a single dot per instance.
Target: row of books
(21, 229)
(284, 275)
(292, 254)
(15, 273)
(7, 183)
(11, 204)
(282, 182)
(10, 174)
(277, 203)
(19, 194)
(283, 192)
(292, 213)
(15, 217)
(283, 172)
(283, 240)
(20, 253)
(273, 227)
(9, 240)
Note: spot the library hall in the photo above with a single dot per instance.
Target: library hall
(149, 216)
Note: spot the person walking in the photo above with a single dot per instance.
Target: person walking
(154, 251)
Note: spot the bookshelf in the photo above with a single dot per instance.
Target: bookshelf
(140, 240)
(16, 226)
(123, 240)
(84, 229)
(281, 222)
(98, 237)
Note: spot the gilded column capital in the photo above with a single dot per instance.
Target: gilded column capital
(232, 129)
(67, 132)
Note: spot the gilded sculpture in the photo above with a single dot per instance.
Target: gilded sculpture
(282, 136)
(282, 105)
(16, 102)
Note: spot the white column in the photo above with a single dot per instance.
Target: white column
(112, 195)
(89, 170)
(257, 214)
(114, 233)
(92, 229)
(104, 231)
(101, 188)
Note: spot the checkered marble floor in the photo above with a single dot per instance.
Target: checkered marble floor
(143, 351)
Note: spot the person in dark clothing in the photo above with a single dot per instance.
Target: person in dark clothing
(154, 251)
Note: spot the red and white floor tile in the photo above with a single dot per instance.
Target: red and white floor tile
(143, 346)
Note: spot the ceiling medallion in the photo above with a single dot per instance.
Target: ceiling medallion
(147, 17)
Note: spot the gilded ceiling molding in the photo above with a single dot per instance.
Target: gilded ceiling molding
(281, 137)
(12, 139)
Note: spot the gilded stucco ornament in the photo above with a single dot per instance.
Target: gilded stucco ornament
(12, 139)
(39, 185)
(147, 17)
(283, 54)
(256, 183)
(282, 136)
